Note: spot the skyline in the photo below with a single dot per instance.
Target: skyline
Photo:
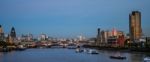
(71, 18)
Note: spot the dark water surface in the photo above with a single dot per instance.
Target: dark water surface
(65, 55)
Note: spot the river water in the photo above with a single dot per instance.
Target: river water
(66, 55)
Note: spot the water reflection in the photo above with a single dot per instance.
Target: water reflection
(66, 55)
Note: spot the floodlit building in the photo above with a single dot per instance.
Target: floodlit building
(135, 28)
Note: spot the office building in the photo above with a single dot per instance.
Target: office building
(135, 29)
(98, 40)
(13, 33)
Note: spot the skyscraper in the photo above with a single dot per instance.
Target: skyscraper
(104, 36)
(98, 40)
(135, 25)
(13, 33)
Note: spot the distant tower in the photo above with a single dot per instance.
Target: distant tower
(98, 37)
(12, 36)
(13, 33)
(1, 34)
(135, 29)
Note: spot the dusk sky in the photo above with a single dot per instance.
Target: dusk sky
(70, 18)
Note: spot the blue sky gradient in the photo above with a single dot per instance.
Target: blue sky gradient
(70, 18)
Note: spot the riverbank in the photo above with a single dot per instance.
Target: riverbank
(8, 48)
(125, 49)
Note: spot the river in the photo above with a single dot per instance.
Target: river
(66, 55)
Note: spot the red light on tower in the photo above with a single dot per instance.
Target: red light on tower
(114, 32)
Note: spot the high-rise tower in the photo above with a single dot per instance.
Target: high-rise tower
(13, 33)
(98, 37)
(135, 25)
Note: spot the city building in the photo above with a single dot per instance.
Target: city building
(121, 40)
(10, 39)
(13, 33)
(1, 29)
(1, 33)
(115, 38)
(43, 37)
(120, 33)
(81, 38)
(24, 38)
(112, 41)
(135, 29)
(98, 40)
(114, 32)
(28, 37)
(148, 42)
(104, 37)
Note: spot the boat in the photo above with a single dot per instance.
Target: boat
(117, 57)
(20, 48)
(92, 52)
(85, 50)
(147, 59)
(78, 50)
